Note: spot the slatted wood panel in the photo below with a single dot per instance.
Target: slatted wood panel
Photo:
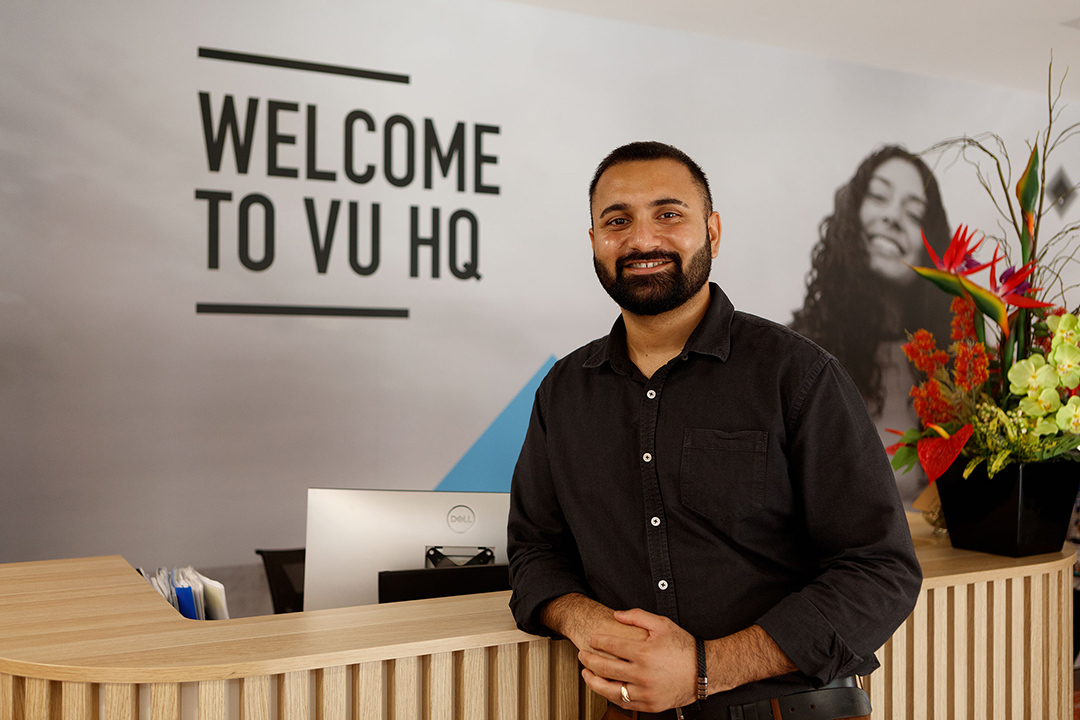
(369, 694)
(994, 650)
(472, 683)
(165, 702)
(294, 696)
(990, 638)
(37, 699)
(331, 697)
(254, 698)
(212, 700)
(439, 686)
(79, 701)
(535, 683)
(967, 652)
(506, 682)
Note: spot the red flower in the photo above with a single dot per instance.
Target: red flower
(963, 321)
(938, 453)
(958, 258)
(923, 352)
(930, 404)
(971, 367)
(1014, 287)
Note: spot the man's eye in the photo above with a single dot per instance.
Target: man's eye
(617, 221)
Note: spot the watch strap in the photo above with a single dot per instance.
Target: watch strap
(703, 676)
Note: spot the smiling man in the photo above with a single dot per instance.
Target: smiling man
(701, 504)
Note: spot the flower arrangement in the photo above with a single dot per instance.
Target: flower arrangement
(1005, 390)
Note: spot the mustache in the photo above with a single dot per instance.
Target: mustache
(639, 256)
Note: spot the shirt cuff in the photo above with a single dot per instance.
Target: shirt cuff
(810, 641)
(535, 588)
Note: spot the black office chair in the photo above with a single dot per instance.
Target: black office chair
(285, 574)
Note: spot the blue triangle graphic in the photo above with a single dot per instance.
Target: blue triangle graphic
(489, 463)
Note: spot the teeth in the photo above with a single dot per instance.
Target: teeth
(647, 265)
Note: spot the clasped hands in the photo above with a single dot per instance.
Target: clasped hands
(653, 657)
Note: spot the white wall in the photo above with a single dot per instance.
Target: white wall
(131, 424)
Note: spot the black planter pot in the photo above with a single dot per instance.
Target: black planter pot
(1023, 510)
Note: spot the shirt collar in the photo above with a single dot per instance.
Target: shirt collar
(712, 336)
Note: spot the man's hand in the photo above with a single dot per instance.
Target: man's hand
(655, 658)
(659, 670)
(577, 618)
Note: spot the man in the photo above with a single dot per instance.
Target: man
(702, 489)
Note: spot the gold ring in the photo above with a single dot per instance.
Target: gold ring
(625, 695)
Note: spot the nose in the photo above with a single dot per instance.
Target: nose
(891, 213)
(643, 238)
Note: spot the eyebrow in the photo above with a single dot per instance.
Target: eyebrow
(618, 207)
(921, 200)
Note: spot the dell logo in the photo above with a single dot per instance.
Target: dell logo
(460, 518)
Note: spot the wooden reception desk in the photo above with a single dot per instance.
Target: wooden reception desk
(991, 637)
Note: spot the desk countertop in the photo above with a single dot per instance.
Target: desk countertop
(97, 620)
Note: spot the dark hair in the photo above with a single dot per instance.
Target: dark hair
(651, 150)
(845, 310)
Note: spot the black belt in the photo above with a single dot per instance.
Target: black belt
(842, 698)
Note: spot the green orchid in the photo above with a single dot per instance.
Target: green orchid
(1032, 375)
(1065, 359)
(1068, 417)
(1047, 401)
(1066, 329)
(1045, 426)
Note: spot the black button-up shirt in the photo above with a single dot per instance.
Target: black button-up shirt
(742, 483)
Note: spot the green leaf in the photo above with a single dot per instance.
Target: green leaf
(971, 466)
(1061, 448)
(911, 436)
(990, 304)
(944, 280)
(1027, 190)
(904, 458)
(987, 302)
(999, 461)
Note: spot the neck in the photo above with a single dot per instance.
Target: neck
(653, 340)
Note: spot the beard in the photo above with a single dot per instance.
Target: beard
(661, 292)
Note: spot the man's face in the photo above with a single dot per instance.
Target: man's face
(653, 239)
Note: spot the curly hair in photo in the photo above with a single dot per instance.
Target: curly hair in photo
(850, 310)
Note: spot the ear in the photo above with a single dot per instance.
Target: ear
(714, 233)
(592, 240)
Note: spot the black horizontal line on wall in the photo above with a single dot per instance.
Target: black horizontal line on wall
(231, 56)
(308, 310)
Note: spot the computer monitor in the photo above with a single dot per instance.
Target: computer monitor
(353, 534)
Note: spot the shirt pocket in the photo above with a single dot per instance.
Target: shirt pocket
(722, 474)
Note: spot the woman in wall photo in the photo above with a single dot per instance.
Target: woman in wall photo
(861, 295)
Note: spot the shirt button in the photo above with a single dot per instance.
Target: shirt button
(662, 584)
(647, 457)
(651, 394)
(655, 522)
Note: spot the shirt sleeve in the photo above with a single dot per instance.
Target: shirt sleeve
(544, 560)
(870, 577)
